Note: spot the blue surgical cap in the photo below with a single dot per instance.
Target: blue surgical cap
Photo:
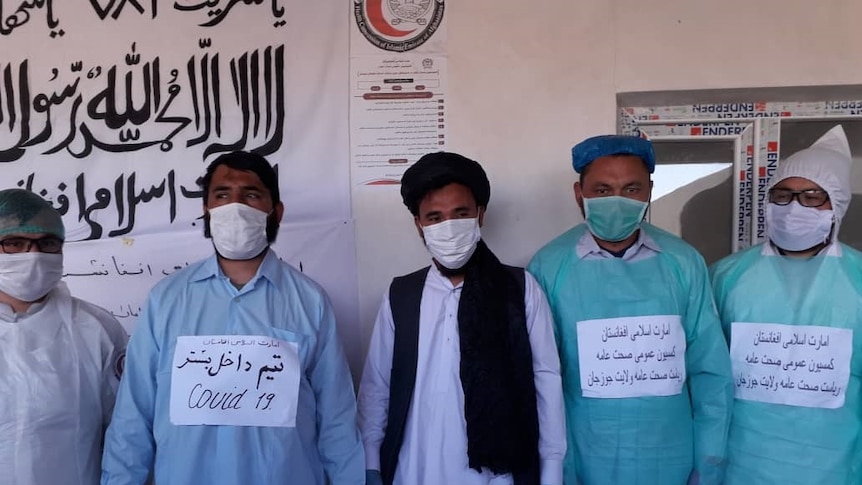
(590, 149)
(23, 212)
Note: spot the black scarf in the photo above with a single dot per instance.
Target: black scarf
(497, 371)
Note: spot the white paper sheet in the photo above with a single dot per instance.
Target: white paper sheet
(800, 365)
(235, 380)
(632, 356)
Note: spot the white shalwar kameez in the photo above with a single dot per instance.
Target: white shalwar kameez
(434, 450)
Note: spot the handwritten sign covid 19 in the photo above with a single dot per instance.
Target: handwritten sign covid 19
(632, 356)
(801, 365)
(235, 380)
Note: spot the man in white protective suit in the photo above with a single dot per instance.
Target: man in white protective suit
(60, 357)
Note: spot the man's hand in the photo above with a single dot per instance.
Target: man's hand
(694, 478)
(372, 477)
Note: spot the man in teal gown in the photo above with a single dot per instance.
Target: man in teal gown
(791, 309)
(645, 369)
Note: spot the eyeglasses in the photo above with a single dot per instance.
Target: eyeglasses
(48, 244)
(806, 198)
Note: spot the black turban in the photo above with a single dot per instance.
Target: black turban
(437, 170)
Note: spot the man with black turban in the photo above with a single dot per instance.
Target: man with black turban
(462, 380)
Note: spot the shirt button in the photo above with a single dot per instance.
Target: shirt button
(236, 299)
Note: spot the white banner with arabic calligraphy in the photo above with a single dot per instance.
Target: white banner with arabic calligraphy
(112, 110)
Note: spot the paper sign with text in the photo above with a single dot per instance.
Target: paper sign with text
(797, 365)
(235, 380)
(632, 356)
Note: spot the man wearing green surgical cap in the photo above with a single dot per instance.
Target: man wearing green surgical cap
(645, 368)
(791, 308)
(60, 357)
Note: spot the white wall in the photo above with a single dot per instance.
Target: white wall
(530, 79)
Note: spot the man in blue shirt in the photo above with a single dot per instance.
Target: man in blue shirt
(235, 373)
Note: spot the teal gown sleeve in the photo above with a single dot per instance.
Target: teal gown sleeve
(709, 378)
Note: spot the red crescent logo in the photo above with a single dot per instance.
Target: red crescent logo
(375, 17)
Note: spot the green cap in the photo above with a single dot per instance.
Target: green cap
(23, 212)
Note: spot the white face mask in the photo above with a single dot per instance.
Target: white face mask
(793, 227)
(30, 276)
(238, 231)
(452, 242)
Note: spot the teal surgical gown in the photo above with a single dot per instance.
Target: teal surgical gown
(280, 303)
(779, 444)
(640, 440)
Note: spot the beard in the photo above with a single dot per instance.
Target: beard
(450, 272)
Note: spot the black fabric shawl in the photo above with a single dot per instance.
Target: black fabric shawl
(497, 370)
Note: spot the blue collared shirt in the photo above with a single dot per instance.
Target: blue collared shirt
(278, 302)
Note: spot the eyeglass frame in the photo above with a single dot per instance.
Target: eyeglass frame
(796, 194)
(30, 242)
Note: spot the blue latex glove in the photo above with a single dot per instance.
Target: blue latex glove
(372, 477)
(694, 478)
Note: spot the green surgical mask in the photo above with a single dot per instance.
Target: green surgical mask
(613, 218)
